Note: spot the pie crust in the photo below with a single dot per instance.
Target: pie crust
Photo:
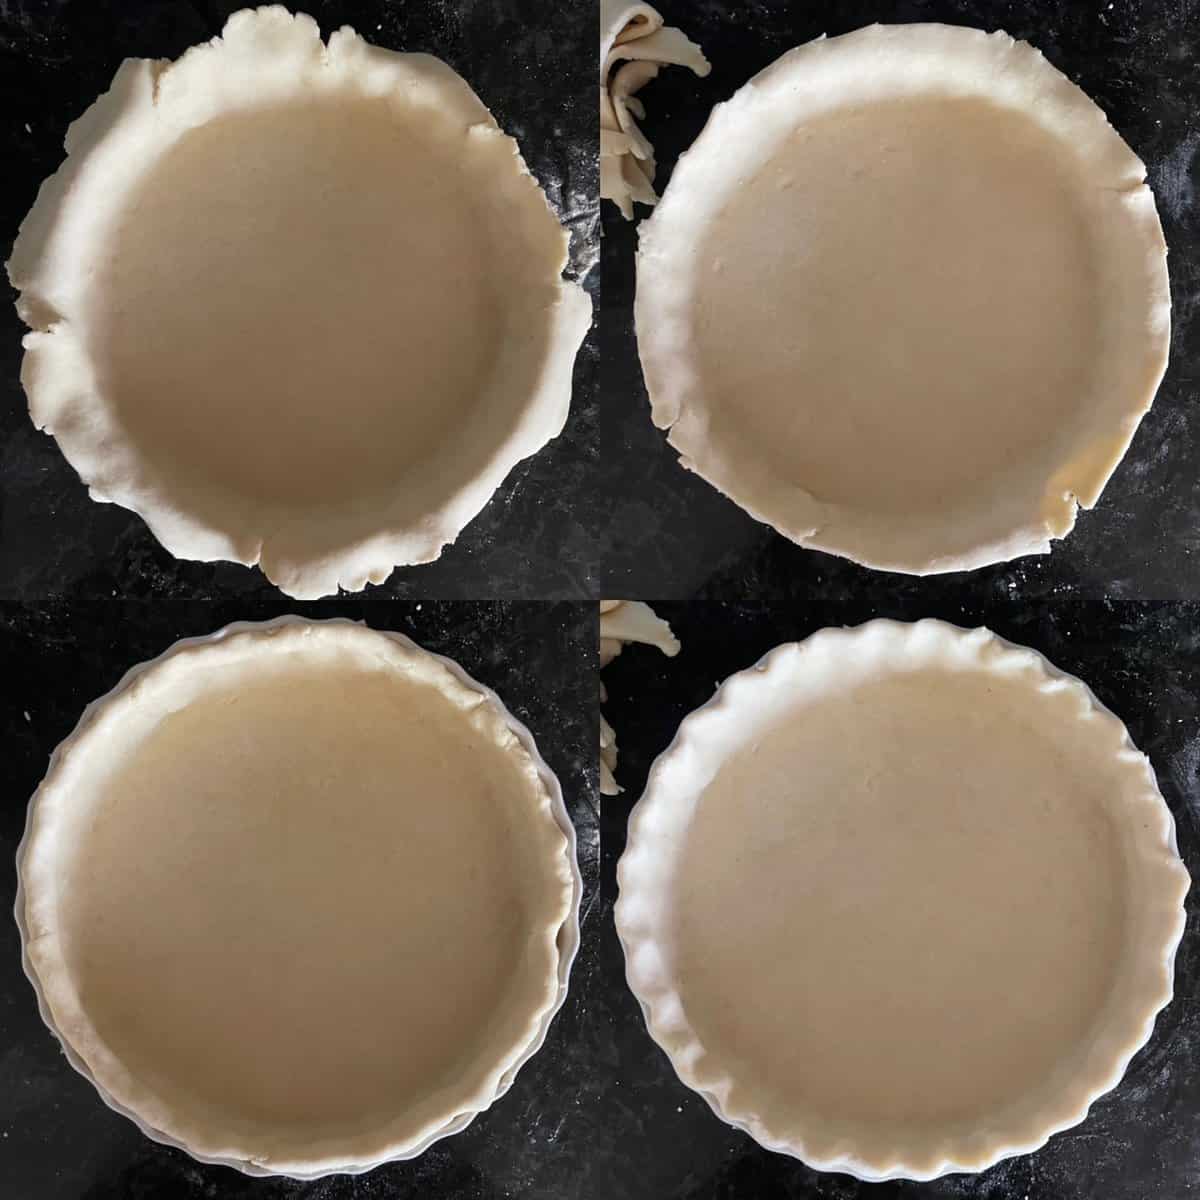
(299, 898)
(634, 45)
(296, 304)
(906, 298)
(901, 900)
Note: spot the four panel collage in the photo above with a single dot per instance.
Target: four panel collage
(649, 658)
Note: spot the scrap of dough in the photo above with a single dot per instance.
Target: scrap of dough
(296, 304)
(901, 900)
(623, 621)
(635, 621)
(906, 299)
(608, 756)
(295, 897)
(634, 36)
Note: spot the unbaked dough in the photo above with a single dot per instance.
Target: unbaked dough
(623, 621)
(633, 35)
(296, 304)
(906, 298)
(901, 900)
(299, 897)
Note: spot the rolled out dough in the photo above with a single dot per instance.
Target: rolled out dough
(901, 900)
(906, 298)
(295, 304)
(295, 896)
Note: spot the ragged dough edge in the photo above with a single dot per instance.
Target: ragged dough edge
(684, 769)
(178, 675)
(266, 56)
(634, 32)
(871, 63)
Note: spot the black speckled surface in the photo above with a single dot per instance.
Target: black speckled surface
(531, 63)
(59, 1142)
(670, 531)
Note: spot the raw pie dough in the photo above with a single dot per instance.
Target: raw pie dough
(299, 897)
(296, 304)
(901, 900)
(634, 36)
(623, 621)
(906, 298)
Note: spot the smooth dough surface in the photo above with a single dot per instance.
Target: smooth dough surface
(906, 298)
(902, 897)
(296, 303)
(306, 895)
(355, 324)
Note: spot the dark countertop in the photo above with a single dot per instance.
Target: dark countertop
(670, 531)
(59, 1142)
(533, 65)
